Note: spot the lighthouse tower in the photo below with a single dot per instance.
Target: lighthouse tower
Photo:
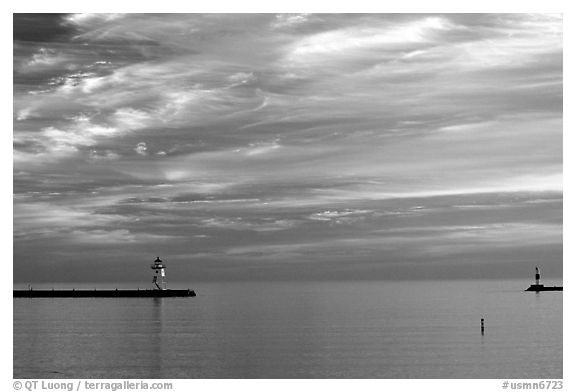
(537, 277)
(159, 279)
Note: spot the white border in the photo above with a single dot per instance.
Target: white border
(302, 6)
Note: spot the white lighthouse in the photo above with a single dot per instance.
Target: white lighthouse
(159, 274)
(537, 276)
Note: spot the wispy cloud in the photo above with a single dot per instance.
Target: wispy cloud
(295, 136)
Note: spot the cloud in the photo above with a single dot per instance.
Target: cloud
(311, 136)
(344, 41)
(45, 218)
(284, 21)
(340, 217)
(90, 18)
(45, 58)
(141, 149)
(112, 237)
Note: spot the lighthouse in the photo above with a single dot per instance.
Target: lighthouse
(159, 278)
(537, 286)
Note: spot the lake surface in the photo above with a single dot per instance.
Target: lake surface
(297, 330)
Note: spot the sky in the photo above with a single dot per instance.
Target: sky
(287, 147)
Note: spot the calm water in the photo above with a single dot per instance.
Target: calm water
(297, 330)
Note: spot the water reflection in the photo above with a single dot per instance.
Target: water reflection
(295, 330)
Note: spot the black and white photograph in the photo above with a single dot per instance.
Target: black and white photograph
(287, 196)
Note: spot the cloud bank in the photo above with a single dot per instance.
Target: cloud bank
(322, 146)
